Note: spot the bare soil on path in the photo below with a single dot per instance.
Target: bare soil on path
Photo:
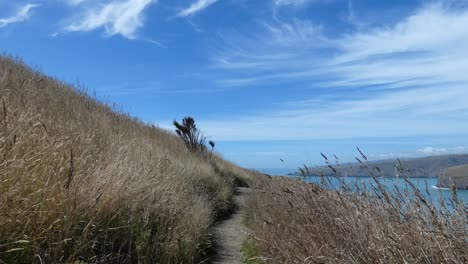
(230, 233)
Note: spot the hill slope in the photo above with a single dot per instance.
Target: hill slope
(82, 182)
(418, 167)
(457, 176)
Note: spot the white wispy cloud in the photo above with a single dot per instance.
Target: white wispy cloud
(196, 7)
(76, 2)
(405, 52)
(291, 2)
(404, 113)
(441, 151)
(22, 15)
(422, 152)
(122, 17)
(409, 79)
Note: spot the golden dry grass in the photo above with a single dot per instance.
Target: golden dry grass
(82, 182)
(298, 222)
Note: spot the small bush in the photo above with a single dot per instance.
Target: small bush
(191, 135)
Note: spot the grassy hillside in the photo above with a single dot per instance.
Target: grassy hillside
(297, 222)
(457, 176)
(82, 182)
(418, 167)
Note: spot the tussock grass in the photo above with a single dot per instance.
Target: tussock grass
(250, 252)
(80, 181)
(298, 222)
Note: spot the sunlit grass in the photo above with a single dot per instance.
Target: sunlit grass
(80, 181)
(298, 222)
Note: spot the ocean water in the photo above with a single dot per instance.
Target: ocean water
(275, 171)
(427, 186)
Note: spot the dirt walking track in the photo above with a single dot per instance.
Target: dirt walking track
(229, 234)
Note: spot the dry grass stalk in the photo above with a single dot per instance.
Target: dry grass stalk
(82, 182)
(298, 222)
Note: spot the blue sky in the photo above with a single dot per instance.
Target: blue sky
(265, 79)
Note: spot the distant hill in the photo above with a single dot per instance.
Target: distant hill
(457, 175)
(417, 167)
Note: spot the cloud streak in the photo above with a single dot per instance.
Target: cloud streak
(422, 152)
(406, 80)
(22, 15)
(428, 112)
(291, 2)
(116, 18)
(75, 2)
(196, 7)
(402, 55)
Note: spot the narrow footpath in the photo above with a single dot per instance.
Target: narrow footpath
(231, 233)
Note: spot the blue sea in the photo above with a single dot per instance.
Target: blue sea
(427, 186)
(275, 171)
